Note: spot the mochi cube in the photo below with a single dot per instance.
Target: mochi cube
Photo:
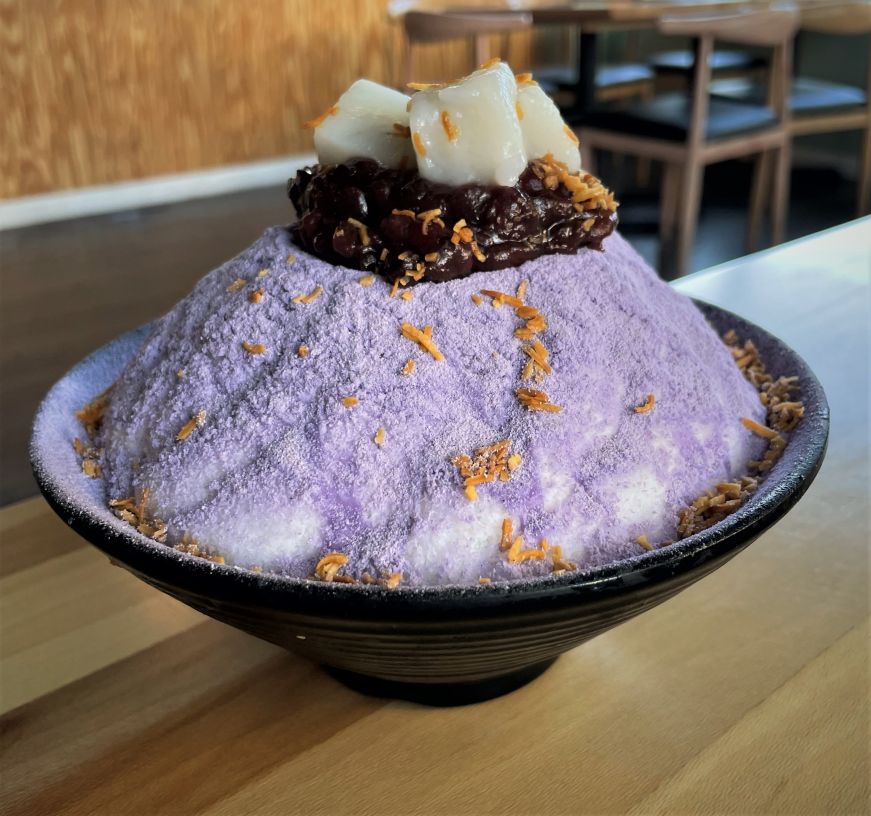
(468, 132)
(369, 121)
(544, 130)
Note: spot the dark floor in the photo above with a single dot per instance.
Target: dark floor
(67, 288)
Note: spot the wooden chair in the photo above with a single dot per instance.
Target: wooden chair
(433, 27)
(686, 132)
(818, 106)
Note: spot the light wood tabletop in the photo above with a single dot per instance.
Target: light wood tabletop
(746, 694)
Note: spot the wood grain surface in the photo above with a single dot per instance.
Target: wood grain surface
(96, 91)
(746, 694)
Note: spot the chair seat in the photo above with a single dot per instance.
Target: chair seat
(611, 76)
(667, 116)
(565, 77)
(683, 61)
(807, 95)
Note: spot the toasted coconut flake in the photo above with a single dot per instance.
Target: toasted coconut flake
(256, 296)
(535, 400)
(588, 224)
(419, 146)
(571, 134)
(514, 462)
(408, 213)
(538, 356)
(394, 289)
(367, 280)
(507, 533)
(265, 272)
(310, 297)
(319, 120)
(560, 564)
(431, 257)
(642, 542)
(476, 299)
(180, 374)
(647, 406)
(188, 428)
(430, 217)
(450, 129)
(484, 580)
(362, 230)
(471, 493)
(502, 297)
(253, 348)
(406, 295)
(408, 367)
(328, 567)
(521, 289)
(518, 108)
(392, 580)
(92, 468)
(525, 79)
(349, 402)
(491, 62)
(380, 436)
(759, 430)
(79, 446)
(425, 86)
(302, 350)
(236, 285)
(423, 339)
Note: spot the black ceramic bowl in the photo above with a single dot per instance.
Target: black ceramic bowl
(445, 645)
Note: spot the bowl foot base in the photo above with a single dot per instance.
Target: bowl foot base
(441, 694)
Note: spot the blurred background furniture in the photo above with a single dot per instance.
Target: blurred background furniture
(821, 106)
(420, 27)
(686, 132)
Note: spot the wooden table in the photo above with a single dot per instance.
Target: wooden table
(746, 694)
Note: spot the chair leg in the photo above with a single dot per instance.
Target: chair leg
(864, 197)
(761, 184)
(668, 199)
(780, 202)
(690, 196)
(642, 172)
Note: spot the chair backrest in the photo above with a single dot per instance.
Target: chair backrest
(850, 18)
(433, 27)
(774, 28)
(770, 27)
(429, 27)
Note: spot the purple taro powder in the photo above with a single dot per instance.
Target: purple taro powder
(280, 472)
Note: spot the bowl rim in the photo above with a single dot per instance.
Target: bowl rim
(163, 566)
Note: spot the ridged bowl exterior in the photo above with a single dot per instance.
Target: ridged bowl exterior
(448, 637)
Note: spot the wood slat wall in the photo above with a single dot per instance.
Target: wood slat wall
(96, 91)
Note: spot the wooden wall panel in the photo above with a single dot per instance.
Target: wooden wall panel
(96, 91)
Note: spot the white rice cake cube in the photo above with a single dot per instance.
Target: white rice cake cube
(544, 130)
(369, 121)
(468, 132)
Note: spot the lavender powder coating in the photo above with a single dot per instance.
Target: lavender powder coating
(281, 472)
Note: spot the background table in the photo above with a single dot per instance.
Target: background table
(748, 693)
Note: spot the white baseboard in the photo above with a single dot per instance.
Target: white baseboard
(150, 192)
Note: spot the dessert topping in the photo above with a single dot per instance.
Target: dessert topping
(328, 567)
(311, 297)
(535, 400)
(188, 428)
(422, 338)
(647, 406)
